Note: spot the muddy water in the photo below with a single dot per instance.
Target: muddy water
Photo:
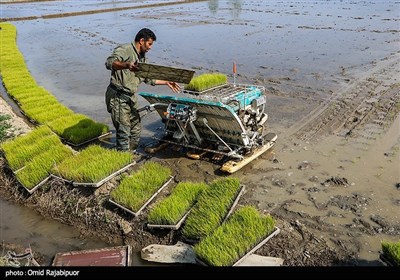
(20, 225)
(303, 52)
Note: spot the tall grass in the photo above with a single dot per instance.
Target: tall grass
(92, 164)
(206, 81)
(211, 208)
(237, 236)
(172, 209)
(136, 189)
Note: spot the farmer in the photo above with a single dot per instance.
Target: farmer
(121, 99)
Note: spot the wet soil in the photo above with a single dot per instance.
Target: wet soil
(332, 178)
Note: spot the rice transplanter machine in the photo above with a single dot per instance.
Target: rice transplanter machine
(228, 120)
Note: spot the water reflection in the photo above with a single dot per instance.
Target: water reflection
(213, 6)
(235, 6)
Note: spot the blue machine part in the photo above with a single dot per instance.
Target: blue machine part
(220, 113)
(246, 96)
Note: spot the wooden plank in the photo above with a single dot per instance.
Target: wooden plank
(113, 256)
(257, 260)
(178, 253)
(233, 166)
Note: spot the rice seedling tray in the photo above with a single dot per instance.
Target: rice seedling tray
(61, 179)
(87, 141)
(386, 260)
(255, 248)
(98, 184)
(31, 190)
(135, 214)
(173, 227)
(32, 121)
(242, 190)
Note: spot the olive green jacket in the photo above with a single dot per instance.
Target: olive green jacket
(125, 79)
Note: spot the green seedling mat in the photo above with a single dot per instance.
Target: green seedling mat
(173, 227)
(386, 260)
(241, 191)
(63, 139)
(98, 184)
(30, 191)
(135, 214)
(87, 141)
(255, 248)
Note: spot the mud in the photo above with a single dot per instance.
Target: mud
(331, 72)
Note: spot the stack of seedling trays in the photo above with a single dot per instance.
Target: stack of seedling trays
(171, 212)
(31, 157)
(212, 208)
(138, 189)
(93, 166)
(245, 231)
(390, 253)
(38, 104)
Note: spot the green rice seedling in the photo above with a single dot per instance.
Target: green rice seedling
(77, 128)
(25, 93)
(16, 86)
(27, 139)
(211, 208)
(40, 166)
(28, 99)
(25, 153)
(92, 164)
(18, 150)
(45, 103)
(84, 130)
(206, 81)
(48, 113)
(51, 114)
(237, 236)
(136, 189)
(391, 250)
(21, 91)
(172, 209)
(34, 95)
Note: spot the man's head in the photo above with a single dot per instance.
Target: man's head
(144, 40)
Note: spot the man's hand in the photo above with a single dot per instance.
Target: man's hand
(174, 86)
(132, 66)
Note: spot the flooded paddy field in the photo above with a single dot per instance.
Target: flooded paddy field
(329, 67)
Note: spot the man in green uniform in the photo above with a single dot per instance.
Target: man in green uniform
(121, 99)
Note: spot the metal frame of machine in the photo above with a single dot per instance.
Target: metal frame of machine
(228, 120)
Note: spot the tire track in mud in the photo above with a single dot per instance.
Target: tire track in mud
(363, 109)
(80, 13)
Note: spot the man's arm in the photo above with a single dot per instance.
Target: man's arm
(119, 65)
(117, 60)
(175, 87)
